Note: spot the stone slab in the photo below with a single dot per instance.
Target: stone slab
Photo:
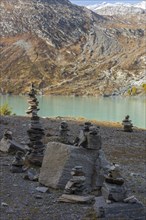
(118, 210)
(76, 199)
(58, 161)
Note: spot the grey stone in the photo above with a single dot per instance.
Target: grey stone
(131, 199)
(76, 199)
(114, 192)
(38, 197)
(31, 175)
(4, 204)
(118, 210)
(42, 189)
(58, 161)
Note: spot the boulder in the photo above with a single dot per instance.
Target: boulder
(58, 161)
(118, 210)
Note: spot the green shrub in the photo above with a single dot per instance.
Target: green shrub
(134, 90)
(144, 86)
(129, 92)
(5, 109)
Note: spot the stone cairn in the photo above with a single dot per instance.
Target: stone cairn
(76, 185)
(89, 137)
(63, 129)
(35, 132)
(127, 124)
(81, 140)
(113, 188)
(7, 135)
(18, 163)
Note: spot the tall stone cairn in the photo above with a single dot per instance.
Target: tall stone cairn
(35, 132)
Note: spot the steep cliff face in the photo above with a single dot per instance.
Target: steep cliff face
(67, 49)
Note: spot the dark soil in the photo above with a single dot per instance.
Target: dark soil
(19, 198)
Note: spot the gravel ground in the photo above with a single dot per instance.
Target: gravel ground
(21, 201)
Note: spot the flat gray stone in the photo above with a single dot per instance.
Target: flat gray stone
(42, 189)
(76, 199)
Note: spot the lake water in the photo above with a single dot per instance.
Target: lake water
(100, 109)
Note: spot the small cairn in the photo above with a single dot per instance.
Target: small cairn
(63, 129)
(113, 188)
(76, 185)
(18, 163)
(81, 140)
(7, 135)
(94, 138)
(89, 137)
(35, 132)
(75, 190)
(127, 124)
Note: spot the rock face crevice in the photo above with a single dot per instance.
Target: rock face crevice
(70, 50)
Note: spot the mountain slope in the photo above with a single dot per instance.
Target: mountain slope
(67, 49)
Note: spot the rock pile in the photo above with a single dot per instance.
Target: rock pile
(89, 137)
(75, 189)
(63, 129)
(18, 163)
(113, 188)
(35, 132)
(76, 185)
(127, 124)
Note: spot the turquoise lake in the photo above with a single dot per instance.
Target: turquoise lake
(100, 109)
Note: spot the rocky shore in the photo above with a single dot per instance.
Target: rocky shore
(20, 199)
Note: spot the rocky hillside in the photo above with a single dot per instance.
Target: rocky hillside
(70, 50)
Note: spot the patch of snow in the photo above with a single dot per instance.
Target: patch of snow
(118, 8)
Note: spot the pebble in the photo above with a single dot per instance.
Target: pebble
(42, 189)
(4, 204)
(38, 197)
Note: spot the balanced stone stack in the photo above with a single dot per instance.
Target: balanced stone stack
(127, 124)
(113, 188)
(76, 185)
(18, 163)
(64, 132)
(115, 202)
(35, 132)
(75, 189)
(81, 140)
(89, 137)
(94, 138)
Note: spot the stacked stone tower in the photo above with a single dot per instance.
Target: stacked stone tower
(35, 132)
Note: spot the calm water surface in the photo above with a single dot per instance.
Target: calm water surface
(101, 109)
